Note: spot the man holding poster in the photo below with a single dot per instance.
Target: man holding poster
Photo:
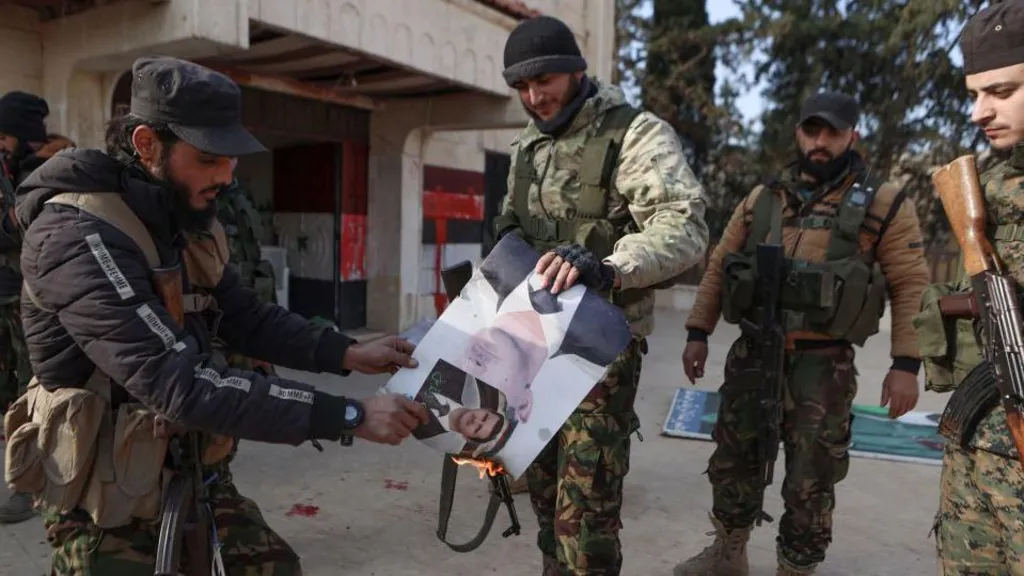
(604, 192)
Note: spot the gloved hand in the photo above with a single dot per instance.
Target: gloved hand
(564, 265)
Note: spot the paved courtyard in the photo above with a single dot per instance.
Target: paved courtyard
(371, 511)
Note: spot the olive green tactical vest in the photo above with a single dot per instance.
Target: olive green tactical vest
(589, 226)
(843, 296)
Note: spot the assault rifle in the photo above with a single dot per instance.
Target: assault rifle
(184, 511)
(963, 201)
(454, 280)
(770, 338)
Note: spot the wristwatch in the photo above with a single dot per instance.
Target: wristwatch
(351, 420)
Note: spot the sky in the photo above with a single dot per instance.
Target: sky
(750, 103)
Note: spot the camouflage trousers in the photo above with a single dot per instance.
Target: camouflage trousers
(15, 369)
(817, 398)
(981, 511)
(249, 547)
(576, 482)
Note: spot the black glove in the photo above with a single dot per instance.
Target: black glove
(594, 273)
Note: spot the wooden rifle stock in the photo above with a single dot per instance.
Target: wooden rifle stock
(170, 290)
(963, 200)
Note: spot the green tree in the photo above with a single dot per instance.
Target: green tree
(895, 56)
(679, 81)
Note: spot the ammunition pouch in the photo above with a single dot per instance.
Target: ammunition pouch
(844, 299)
(69, 449)
(949, 345)
(973, 399)
(739, 280)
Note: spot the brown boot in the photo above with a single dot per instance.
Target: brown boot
(726, 556)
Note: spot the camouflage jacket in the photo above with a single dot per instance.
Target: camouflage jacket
(652, 183)
(1004, 199)
(890, 235)
(237, 213)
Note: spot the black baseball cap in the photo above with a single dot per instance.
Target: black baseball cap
(201, 106)
(994, 38)
(838, 110)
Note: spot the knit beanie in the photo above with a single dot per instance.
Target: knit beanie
(541, 45)
(21, 116)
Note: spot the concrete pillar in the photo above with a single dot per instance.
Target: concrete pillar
(398, 136)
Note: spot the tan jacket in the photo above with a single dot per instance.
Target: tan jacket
(899, 251)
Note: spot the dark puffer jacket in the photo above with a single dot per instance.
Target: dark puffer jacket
(98, 308)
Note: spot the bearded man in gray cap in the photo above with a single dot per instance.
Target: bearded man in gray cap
(120, 314)
(849, 238)
(981, 508)
(604, 192)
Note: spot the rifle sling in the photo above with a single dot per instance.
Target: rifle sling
(449, 473)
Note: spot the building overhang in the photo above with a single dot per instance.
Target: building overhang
(286, 62)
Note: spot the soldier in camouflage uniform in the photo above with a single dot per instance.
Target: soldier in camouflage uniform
(24, 145)
(981, 508)
(604, 193)
(839, 227)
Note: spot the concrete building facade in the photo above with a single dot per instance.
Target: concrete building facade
(388, 121)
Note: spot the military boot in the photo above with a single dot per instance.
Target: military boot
(787, 568)
(17, 509)
(726, 556)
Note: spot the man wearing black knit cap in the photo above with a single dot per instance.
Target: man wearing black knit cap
(23, 147)
(981, 511)
(604, 193)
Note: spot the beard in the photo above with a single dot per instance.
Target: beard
(177, 195)
(824, 171)
(570, 94)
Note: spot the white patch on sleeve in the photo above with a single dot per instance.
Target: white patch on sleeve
(158, 327)
(109, 267)
(291, 394)
(211, 376)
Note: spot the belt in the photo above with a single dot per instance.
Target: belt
(800, 345)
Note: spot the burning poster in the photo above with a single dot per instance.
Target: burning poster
(508, 361)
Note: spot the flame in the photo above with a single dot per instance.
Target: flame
(484, 467)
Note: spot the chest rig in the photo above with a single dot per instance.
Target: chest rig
(842, 297)
(587, 223)
(89, 447)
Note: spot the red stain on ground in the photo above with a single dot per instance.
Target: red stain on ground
(395, 485)
(303, 510)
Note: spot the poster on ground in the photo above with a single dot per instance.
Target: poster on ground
(913, 437)
(508, 361)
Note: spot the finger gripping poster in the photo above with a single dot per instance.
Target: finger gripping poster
(508, 361)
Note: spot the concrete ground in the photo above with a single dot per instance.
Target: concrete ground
(372, 510)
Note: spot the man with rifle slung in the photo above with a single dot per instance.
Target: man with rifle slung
(981, 511)
(120, 312)
(848, 238)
